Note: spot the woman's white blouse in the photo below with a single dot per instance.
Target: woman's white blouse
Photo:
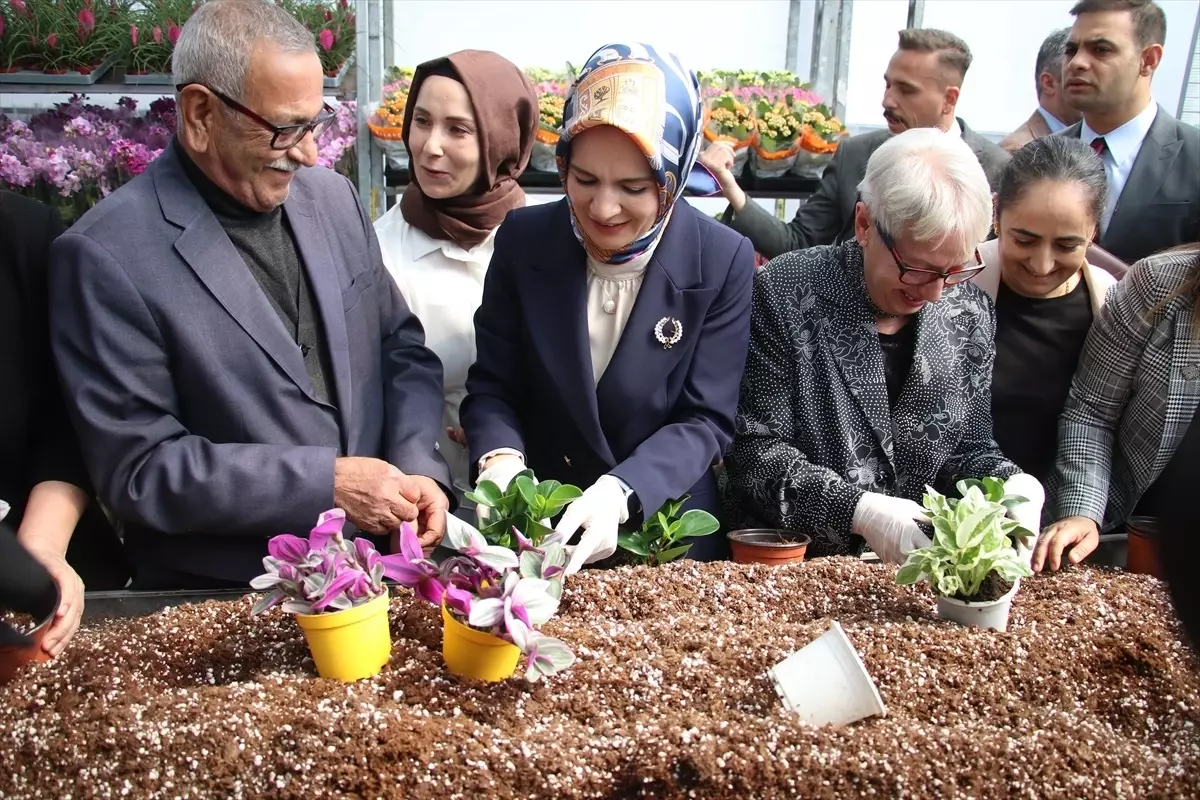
(612, 291)
(443, 285)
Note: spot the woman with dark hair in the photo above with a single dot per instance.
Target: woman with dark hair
(1129, 427)
(1047, 210)
(469, 128)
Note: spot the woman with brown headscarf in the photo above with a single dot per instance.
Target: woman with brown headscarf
(469, 128)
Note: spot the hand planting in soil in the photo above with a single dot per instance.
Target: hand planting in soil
(662, 537)
(973, 556)
(494, 590)
(323, 572)
(524, 507)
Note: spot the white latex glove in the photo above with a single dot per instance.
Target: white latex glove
(1029, 514)
(599, 511)
(889, 524)
(501, 471)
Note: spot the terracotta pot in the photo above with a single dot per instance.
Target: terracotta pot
(13, 658)
(768, 546)
(1143, 556)
(55, 71)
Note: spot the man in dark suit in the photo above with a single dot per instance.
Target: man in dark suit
(1052, 114)
(1152, 159)
(236, 358)
(923, 80)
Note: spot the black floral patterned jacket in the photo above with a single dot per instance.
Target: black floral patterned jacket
(814, 428)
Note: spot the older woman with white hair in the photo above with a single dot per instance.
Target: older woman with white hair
(870, 364)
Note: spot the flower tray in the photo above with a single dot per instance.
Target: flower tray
(146, 79)
(335, 81)
(71, 78)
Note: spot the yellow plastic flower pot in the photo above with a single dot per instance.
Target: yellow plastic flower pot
(475, 654)
(352, 644)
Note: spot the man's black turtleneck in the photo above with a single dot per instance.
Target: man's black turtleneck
(266, 243)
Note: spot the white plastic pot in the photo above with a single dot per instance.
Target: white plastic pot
(988, 614)
(825, 683)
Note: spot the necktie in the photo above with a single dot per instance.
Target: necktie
(1099, 145)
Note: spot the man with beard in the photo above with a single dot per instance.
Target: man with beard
(235, 356)
(1151, 158)
(923, 82)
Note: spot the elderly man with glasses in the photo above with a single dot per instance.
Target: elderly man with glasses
(236, 358)
(870, 364)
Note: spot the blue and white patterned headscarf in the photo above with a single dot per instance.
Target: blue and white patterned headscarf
(652, 97)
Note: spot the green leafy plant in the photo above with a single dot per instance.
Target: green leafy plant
(153, 32)
(662, 537)
(972, 539)
(68, 34)
(525, 506)
(333, 28)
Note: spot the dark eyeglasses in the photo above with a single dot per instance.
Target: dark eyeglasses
(923, 277)
(283, 137)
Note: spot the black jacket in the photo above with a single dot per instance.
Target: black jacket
(37, 442)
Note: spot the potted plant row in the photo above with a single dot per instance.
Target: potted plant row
(333, 28)
(492, 599)
(977, 556)
(61, 42)
(153, 31)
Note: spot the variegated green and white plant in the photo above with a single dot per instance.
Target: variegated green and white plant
(972, 538)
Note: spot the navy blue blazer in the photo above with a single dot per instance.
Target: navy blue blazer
(659, 418)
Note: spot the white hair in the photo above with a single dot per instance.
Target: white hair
(217, 41)
(928, 184)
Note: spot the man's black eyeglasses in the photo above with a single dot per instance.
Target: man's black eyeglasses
(923, 277)
(283, 137)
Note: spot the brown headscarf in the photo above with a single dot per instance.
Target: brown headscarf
(506, 111)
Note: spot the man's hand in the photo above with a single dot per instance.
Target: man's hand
(369, 491)
(70, 604)
(718, 158)
(1080, 534)
(431, 503)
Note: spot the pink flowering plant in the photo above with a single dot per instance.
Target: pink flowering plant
(333, 28)
(336, 146)
(495, 590)
(62, 35)
(76, 153)
(149, 40)
(323, 573)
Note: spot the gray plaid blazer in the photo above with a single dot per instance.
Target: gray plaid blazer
(1133, 396)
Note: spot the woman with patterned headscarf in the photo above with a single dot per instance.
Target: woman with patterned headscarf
(614, 323)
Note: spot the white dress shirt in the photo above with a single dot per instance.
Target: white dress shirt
(1124, 144)
(443, 285)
